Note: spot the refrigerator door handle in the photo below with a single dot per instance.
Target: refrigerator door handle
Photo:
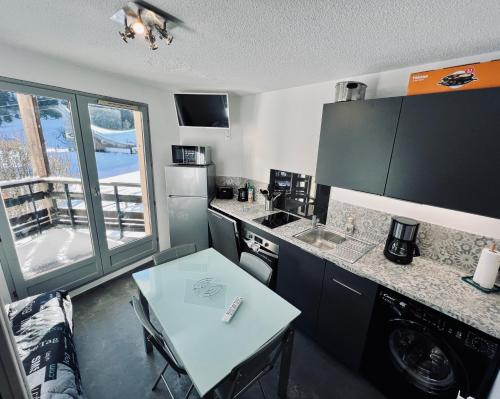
(184, 196)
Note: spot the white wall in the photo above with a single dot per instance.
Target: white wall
(281, 130)
(227, 146)
(36, 67)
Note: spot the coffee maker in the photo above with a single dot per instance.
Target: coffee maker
(401, 246)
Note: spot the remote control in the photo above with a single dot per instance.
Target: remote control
(231, 310)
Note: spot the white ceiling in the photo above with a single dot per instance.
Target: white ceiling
(253, 46)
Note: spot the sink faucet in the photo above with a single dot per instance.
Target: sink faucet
(269, 201)
(314, 221)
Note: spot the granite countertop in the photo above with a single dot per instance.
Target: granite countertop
(433, 284)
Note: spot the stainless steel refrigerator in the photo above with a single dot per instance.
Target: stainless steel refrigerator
(190, 190)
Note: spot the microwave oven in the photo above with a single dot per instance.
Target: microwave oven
(191, 155)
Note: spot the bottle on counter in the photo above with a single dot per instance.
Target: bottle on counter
(250, 192)
(349, 226)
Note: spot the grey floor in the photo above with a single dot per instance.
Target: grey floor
(113, 363)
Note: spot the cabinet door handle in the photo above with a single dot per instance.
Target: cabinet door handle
(346, 286)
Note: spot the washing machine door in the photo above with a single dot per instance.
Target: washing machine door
(425, 361)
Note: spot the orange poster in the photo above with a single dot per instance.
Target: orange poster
(462, 77)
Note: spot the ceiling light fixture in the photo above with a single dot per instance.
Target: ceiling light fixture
(138, 27)
(128, 33)
(141, 18)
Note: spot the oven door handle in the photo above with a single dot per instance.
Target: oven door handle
(267, 253)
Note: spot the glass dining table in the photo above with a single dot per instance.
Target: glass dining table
(189, 296)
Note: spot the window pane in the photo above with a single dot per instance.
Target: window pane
(41, 183)
(119, 151)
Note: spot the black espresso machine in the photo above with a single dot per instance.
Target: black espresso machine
(401, 246)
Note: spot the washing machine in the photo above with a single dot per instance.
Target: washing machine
(415, 352)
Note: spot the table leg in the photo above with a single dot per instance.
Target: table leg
(148, 346)
(286, 359)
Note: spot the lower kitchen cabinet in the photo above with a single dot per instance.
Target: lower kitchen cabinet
(344, 314)
(300, 281)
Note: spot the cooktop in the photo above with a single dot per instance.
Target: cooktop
(276, 219)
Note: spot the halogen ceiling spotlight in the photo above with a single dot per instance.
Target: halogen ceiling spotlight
(141, 18)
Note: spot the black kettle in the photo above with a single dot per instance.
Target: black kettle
(243, 194)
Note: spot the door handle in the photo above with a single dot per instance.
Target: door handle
(267, 253)
(346, 286)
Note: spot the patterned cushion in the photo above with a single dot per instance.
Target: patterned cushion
(43, 331)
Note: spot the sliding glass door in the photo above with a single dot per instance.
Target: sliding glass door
(76, 188)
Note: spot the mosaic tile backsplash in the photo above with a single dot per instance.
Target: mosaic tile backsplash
(440, 244)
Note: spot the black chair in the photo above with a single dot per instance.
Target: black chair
(174, 253)
(159, 342)
(253, 369)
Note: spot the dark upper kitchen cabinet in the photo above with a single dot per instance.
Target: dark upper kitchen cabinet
(344, 314)
(447, 151)
(356, 143)
(300, 281)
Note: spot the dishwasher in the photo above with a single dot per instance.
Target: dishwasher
(253, 242)
(224, 235)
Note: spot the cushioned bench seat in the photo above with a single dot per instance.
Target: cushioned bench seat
(43, 330)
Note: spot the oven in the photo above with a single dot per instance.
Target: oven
(253, 241)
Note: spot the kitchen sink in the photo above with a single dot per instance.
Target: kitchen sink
(320, 238)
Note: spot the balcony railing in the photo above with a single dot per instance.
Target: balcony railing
(47, 202)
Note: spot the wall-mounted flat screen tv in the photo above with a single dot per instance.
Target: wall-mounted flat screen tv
(202, 110)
